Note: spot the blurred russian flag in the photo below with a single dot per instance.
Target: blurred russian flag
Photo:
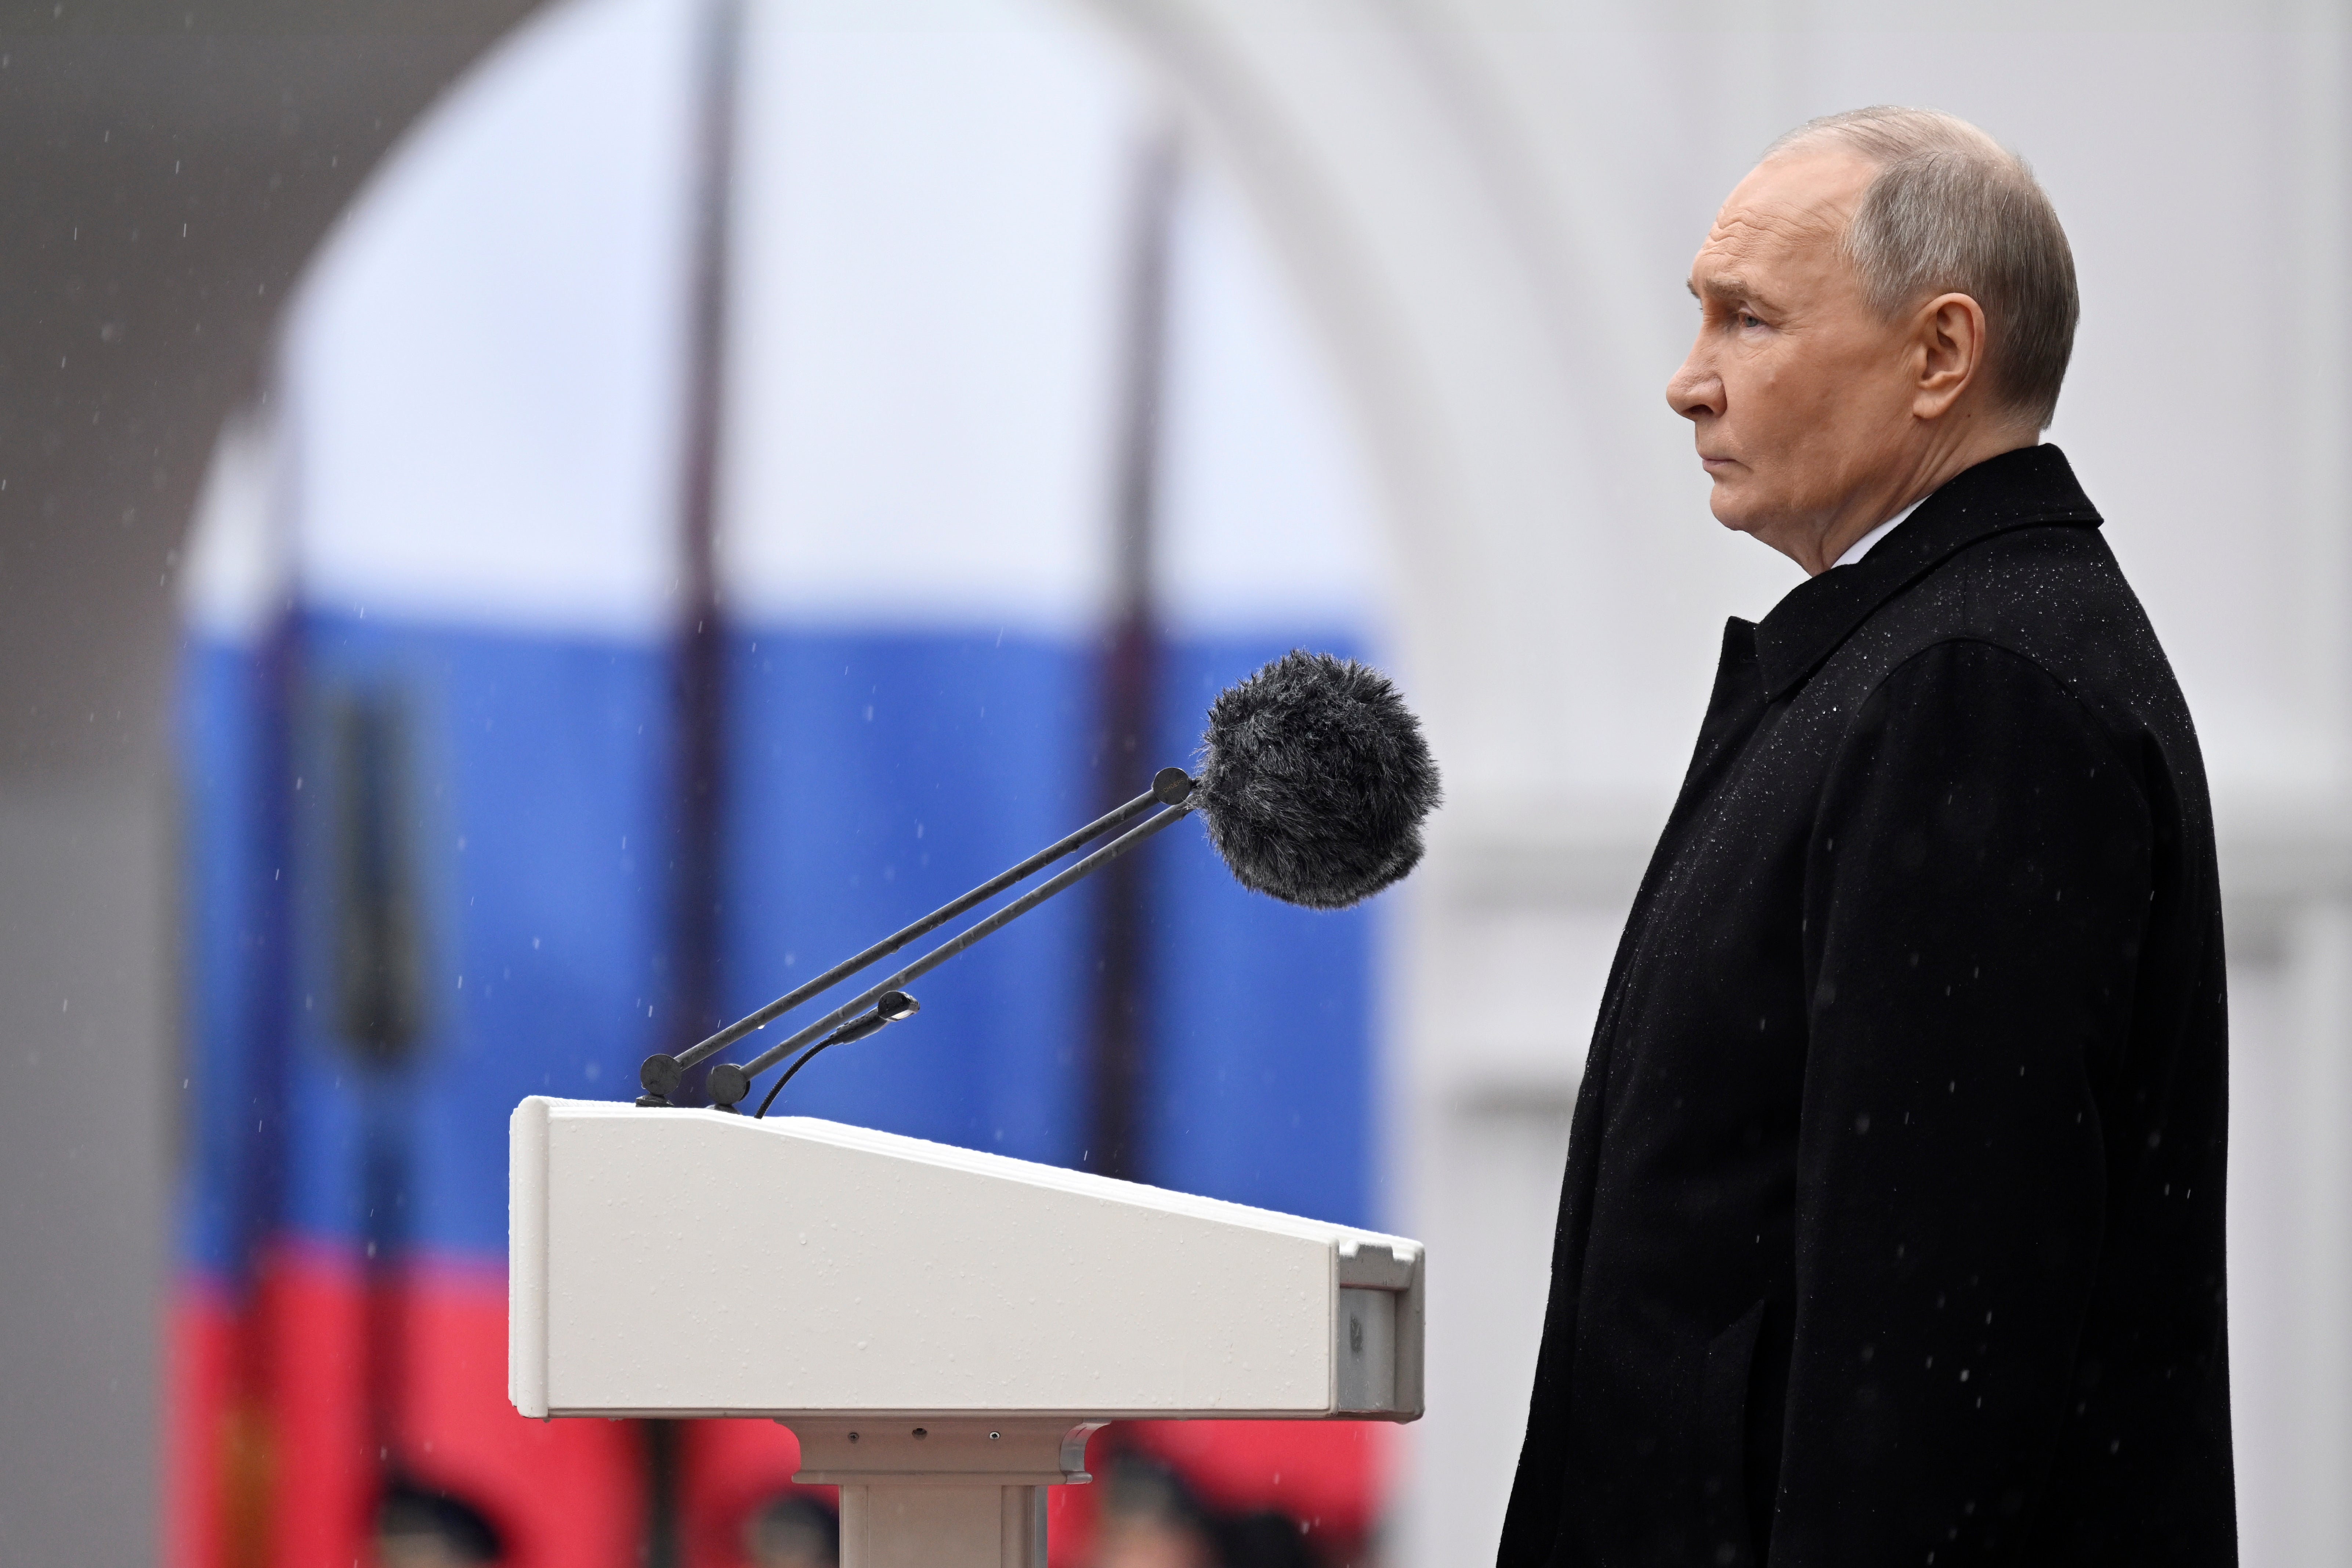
(666, 561)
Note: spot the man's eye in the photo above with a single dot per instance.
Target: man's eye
(1746, 320)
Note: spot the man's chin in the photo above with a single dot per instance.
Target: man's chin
(1735, 507)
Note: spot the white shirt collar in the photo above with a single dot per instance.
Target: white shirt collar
(1861, 547)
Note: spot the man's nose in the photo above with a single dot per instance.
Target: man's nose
(1696, 390)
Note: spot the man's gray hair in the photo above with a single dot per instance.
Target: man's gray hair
(1952, 211)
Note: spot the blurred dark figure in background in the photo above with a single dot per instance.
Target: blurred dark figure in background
(793, 1532)
(419, 1529)
(1892, 1229)
(1151, 1520)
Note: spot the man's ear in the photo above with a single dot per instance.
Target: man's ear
(1949, 346)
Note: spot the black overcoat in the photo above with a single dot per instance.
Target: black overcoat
(1891, 1232)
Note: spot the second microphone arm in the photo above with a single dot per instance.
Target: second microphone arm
(660, 1075)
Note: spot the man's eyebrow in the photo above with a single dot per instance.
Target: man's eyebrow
(1729, 290)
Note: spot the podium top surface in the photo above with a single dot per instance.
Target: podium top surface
(693, 1262)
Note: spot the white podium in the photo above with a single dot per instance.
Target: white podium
(942, 1330)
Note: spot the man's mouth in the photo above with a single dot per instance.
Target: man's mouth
(1715, 465)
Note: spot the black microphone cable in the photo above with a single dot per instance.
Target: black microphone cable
(888, 1009)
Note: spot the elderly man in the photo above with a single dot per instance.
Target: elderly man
(1892, 1229)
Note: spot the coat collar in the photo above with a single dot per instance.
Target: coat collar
(2028, 487)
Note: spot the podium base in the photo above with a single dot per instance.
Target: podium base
(943, 1491)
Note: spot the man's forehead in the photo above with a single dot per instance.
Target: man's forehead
(1785, 205)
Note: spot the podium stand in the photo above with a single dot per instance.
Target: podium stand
(942, 1329)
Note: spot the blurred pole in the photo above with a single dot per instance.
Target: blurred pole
(362, 750)
(2314, 128)
(1124, 759)
(247, 1472)
(701, 693)
(700, 670)
(2317, 148)
(2319, 1312)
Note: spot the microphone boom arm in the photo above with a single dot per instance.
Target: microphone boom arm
(730, 1083)
(659, 1074)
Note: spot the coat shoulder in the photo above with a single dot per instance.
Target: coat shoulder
(2055, 596)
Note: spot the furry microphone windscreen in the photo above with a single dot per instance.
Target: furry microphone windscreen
(1314, 780)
